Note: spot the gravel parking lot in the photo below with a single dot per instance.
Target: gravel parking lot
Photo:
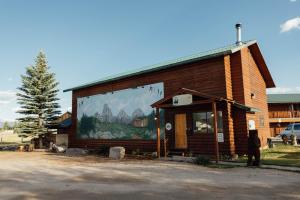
(48, 176)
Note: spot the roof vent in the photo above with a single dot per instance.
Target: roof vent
(238, 27)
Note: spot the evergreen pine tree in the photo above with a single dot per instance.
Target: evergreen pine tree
(6, 126)
(38, 98)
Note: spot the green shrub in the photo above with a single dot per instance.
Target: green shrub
(285, 139)
(293, 138)
(202, 160)
(226, 157)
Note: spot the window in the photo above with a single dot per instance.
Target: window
(203, 122)
(220, 122)
(296, 107)
(296, 110)
(200, 122)
(297, 127)
(289, 127)
(261, 121)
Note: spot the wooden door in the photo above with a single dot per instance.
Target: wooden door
(180, 131)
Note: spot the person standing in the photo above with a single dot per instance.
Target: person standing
(254, 145)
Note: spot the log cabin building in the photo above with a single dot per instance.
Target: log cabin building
(284, 109)
(223, 88)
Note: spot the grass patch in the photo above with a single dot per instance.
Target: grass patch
(282, 155)
(4, 144)
(221, 166)
(8, 138)
(12, 144)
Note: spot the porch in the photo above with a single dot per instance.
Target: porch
(197, 123)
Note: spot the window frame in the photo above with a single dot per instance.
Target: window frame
(207, 120)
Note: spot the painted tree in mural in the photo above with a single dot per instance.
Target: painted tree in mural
(38, 98)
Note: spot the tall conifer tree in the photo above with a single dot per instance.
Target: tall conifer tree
(38, 98)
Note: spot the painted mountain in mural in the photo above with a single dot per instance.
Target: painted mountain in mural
(107, 115)
(123, 117)
(138, 113)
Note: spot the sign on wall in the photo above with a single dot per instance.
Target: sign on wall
(168, 126)
(181, 100)
(220, 137)
(251, 124)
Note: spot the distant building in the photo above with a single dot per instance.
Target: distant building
(284, 109)
(59, 132)
(62, 124)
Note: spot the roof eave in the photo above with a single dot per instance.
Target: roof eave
(258, 57)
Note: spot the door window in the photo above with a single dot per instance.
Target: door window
(297, 127)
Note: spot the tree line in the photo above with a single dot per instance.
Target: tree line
(6, 126)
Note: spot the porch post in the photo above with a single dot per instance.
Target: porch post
(165, 145)
(214, 108)
(158, 132)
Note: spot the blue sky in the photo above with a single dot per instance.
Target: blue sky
(88, 40)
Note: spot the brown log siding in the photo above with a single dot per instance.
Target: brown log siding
(233, 76)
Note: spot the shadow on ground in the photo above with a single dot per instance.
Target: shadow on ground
(41, 176)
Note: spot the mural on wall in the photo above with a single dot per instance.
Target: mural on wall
(123, 114)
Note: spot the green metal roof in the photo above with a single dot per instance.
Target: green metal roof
(169, 64)
(283, 98)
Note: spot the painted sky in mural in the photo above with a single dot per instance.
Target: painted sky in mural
(124, 114)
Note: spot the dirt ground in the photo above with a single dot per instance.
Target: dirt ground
(33, 176)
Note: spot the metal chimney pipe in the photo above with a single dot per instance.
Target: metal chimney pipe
(238, 27)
